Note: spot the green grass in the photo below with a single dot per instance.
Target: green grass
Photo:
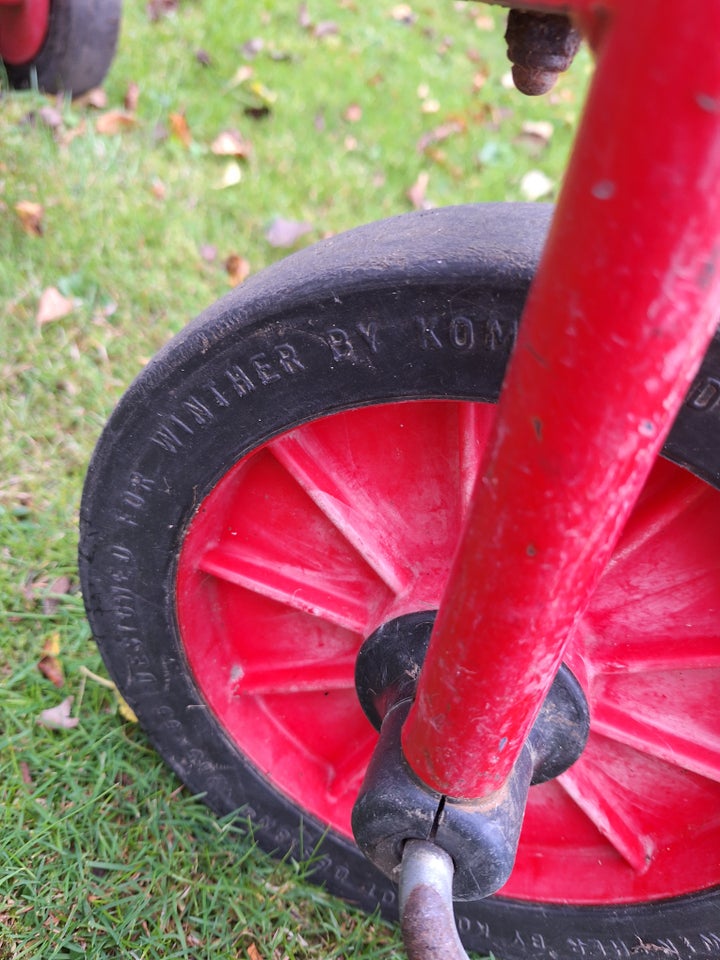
(102, 853)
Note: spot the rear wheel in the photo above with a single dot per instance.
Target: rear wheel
(292, 471)
(78, 49)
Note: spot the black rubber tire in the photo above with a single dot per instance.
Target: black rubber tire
(77, 51)
(171, 439)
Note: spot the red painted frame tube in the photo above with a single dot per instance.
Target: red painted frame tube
(626, 299)
(23, 27)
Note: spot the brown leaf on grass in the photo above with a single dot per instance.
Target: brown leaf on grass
(326, 28)
(534, 136)
(353, 113)
(114, 121)
(403, 13)
(30, 215)
(51, 668)
(304, 18)
(286, 233)
(66, 137)
(241, 75)
(203, 57)
(53, 306)
(253, 952)
(237, 268)
(208, 252)
(25, 773)
(59, 587)
(251, 48)
(96, 98)
(230, 143)
(156, 9)
(180, 128)
(231, 176)
(51, 117)
(132, 96)
(416, 193)
(158, 189)
(58, 718)
(440, 133)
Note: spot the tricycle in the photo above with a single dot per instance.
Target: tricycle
(406, 550)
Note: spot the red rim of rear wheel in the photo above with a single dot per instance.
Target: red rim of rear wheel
(308, 544)
(23, 26)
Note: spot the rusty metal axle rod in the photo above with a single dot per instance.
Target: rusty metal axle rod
(427, 920)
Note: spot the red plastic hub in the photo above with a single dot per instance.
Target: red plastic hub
(307, 545)
(23, 27)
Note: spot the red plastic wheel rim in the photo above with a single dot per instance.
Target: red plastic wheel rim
(307, 545)
(23, 26)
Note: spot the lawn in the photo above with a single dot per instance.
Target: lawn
(225, 136)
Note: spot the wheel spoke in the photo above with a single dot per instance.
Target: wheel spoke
(317, 676)
(305, 459)
(604, 801)
(656, 652)
(347, 775)
(675, 718)
(476, 420)
(669, 493)
(389, 479)
(311, 591)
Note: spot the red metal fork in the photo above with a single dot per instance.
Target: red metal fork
(626, 299)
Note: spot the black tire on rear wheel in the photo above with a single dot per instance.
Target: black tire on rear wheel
(77, 51)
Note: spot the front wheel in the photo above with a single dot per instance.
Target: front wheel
(291, 472)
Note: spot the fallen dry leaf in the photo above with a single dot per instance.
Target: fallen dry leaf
(208, 252)
(535, 184)
(114, 121)
(132, 97)
(59, 587)
(53, 306)
(484, 22)
(353, 113)
(237, 268)
(31, 217)
(251, 48)
(403, 13)
(326, 28)
(440, 133)
(286, 233)
(96, 98)
(158, 189)
(230, 143)
(51, 116)
(254, 953)
(416, 193)
(180, 128)
(49, 665)
(203, 57)
(25, 773)
(304, 18)
(534, 136)
(51, 668)
(58, 718)
(66, 137)
(232, 175)
(51, 647)
(241, 75)
(160, 8)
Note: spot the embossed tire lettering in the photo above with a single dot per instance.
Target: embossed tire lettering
(292, 470)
